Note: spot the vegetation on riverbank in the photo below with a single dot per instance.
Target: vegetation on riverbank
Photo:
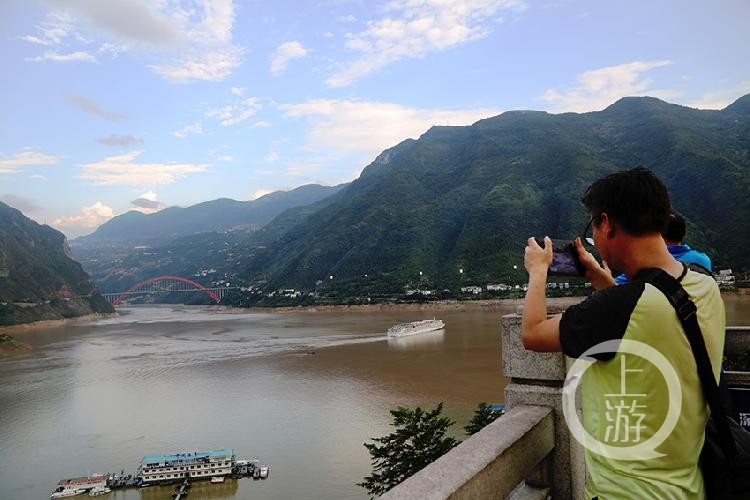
(9, 344)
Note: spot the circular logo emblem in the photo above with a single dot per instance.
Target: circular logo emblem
(640, 451)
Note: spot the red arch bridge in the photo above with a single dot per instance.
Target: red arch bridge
(167, 284)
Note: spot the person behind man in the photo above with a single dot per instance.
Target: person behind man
(673, 236)
(625, 397)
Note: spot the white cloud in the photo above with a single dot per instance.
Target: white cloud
(24, 205)
(367, 127)
(235, 113)
(56, 27)
(34, 39)
(56, 57)
(122, 170)
(597, 89)
(212, 66)
(416, 28)
(123, 141)
(301, 169)
(91, 107)
(195, 128)
(147, 203)
(260, 192)
(134, 20)
(89, 217)
(261, 124)
(271, 156)
(186, 40)
(114, 50)
(720, 99)
(208, 34)
(285, 53)
(226, 158)
(238, 91)
(26, 158)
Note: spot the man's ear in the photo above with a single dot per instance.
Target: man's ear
(607, 225)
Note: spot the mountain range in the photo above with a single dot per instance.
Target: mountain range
(457, 205)
(39, 280)
(134, 228)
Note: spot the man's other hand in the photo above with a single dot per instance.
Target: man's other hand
(536, 258)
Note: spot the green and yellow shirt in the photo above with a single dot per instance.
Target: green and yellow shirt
(625, 397)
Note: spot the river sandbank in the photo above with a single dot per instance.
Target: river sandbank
(51, 323)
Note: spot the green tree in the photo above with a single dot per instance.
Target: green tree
(483, 415)
(418, 440)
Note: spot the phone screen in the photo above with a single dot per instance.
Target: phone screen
(564, 258)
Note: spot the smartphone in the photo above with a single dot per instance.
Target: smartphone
(565, 261)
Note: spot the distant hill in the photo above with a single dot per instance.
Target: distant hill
(135, 228)
(39, 279)
(468, 197)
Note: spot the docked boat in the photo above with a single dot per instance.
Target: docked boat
(264, 472)
(99, 490)
(415, 327)
(78, 485)
(67, 493)
(156, 469)
(217, 479)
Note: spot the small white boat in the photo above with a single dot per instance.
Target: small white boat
(264, 472)
(217, 479)
(99, 490)
(415, 327)
(67, 493)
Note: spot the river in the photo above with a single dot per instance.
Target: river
(302, 391)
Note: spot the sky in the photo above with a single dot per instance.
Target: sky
(117, 105)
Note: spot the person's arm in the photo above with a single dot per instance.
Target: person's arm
(539, 332)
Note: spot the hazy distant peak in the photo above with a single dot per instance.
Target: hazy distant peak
(740, 105)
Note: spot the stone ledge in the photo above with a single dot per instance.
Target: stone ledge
(490, 464)
(518, 362)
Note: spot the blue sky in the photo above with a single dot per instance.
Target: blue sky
(109, 106)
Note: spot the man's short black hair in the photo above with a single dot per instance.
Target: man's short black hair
(635, 199)
(675, 230)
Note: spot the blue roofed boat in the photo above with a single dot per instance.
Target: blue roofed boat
(158, 469)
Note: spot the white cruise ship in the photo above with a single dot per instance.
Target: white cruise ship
(415, 327)
(156, 469)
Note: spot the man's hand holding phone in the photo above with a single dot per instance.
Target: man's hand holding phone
(600, 276)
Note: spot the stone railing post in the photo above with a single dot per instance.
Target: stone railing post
(537, 379)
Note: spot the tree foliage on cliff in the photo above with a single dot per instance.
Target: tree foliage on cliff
(419, 438)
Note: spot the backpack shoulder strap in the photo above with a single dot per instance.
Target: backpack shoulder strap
(686, 312)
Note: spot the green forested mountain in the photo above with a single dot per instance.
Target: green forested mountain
(135, 228)
(38, 277)
(468, 197)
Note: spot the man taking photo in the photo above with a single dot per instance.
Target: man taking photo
(625, 398)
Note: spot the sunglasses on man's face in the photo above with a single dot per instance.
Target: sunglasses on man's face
(587, 234)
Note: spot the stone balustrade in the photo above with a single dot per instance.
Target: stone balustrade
(528, 453)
